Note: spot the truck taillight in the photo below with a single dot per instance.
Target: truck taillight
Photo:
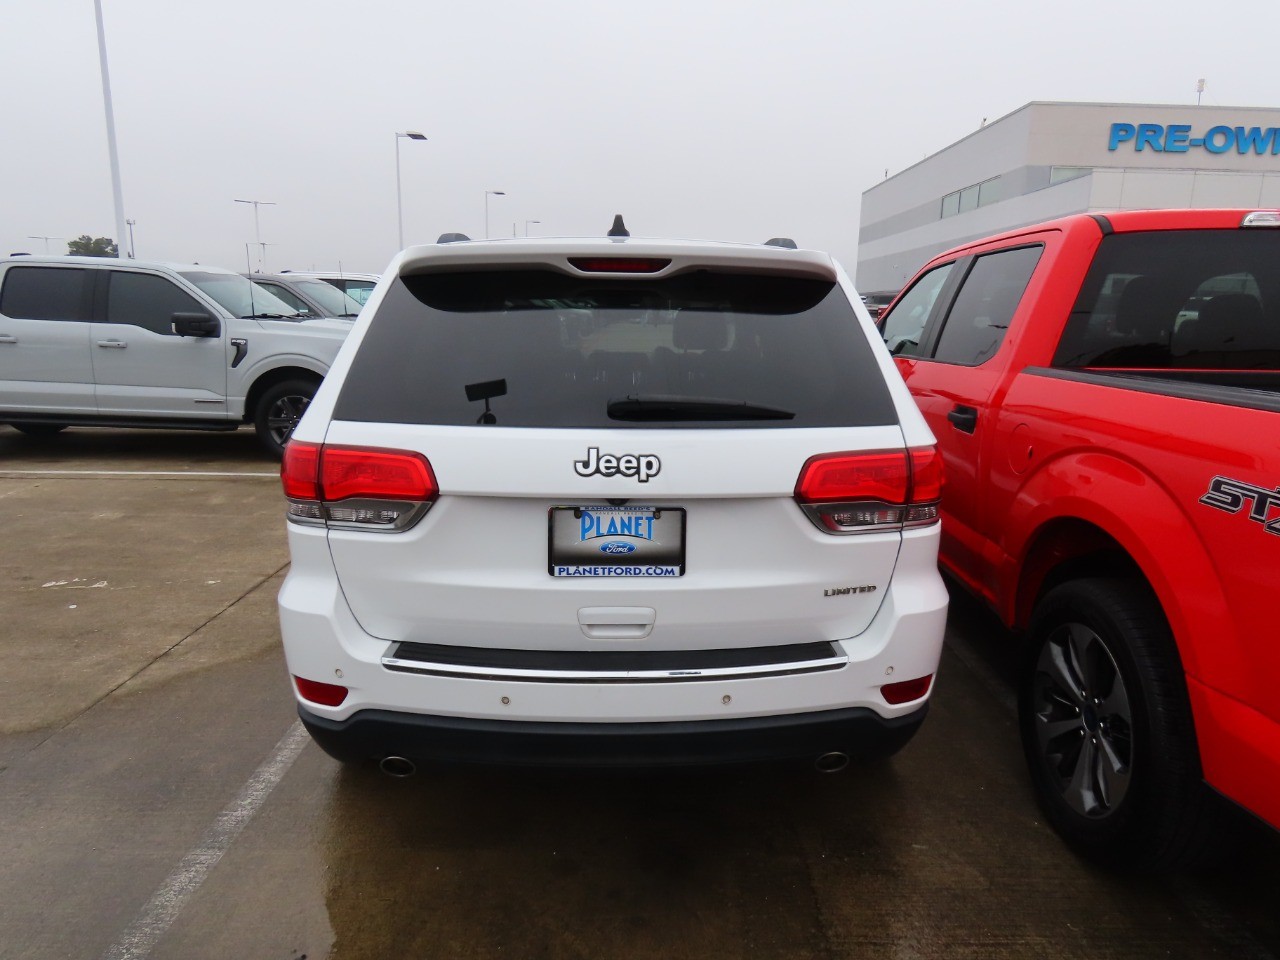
(871, 492)
(356, 488)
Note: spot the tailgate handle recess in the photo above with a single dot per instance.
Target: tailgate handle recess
(617, 623)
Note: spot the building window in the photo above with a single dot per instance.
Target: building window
(1063, 174)
(972, 197)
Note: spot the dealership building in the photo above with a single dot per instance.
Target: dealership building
(1048, 160)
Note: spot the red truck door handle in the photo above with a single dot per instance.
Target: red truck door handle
(964, 418)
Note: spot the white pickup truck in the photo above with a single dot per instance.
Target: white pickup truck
(89, 341)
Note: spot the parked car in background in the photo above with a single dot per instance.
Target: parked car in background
(610, 501)
(310, 296)
(1105, 391)
(358, 286)
(104, 342)
(878, 302)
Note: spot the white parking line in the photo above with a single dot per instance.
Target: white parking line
(4, 472)
(167, 902)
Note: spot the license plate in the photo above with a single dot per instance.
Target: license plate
(616, 542)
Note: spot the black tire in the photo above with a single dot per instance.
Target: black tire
(1107, 730)
(279, 410)
(39, 430)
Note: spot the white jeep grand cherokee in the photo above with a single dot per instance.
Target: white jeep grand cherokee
(612, 501)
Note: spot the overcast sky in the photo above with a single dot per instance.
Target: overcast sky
(702, 118)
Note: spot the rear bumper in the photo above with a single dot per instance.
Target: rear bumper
(375, 734)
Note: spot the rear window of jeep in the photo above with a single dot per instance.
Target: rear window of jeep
(539, 348)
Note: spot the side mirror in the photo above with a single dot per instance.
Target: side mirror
(196, 325)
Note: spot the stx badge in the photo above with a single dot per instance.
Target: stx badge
(1230, 496)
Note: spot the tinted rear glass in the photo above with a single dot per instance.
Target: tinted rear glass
(45, 293)
(1183, 300)
(557, 351)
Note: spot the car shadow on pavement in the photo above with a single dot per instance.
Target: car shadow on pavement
(487, 863)
(106, 448)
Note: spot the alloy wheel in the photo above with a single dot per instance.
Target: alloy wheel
(284, 415)
(1083, 720)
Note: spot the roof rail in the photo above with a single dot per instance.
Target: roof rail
(452, 237)
(785, 242)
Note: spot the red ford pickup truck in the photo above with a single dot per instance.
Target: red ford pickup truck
(1105, 391)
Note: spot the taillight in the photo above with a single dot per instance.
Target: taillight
(348, 472)
(904, 691)
(300, 476)
(868, 492)
(325, 694)
(926, 487)
(356, 488)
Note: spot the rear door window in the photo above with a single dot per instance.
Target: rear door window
(46, 293)
(1179, 299)
(980, 315)
(539, 348)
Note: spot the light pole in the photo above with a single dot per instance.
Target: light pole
(407, 135)
(262, 256)
(116, 192)
(46, 241)
(132, 253)
(487, 195)
(526, 225)
(257, 234)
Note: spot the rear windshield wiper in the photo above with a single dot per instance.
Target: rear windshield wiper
(669, 407)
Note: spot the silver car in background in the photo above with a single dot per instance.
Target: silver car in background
(310, 296)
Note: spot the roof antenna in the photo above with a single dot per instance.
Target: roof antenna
(619, 229)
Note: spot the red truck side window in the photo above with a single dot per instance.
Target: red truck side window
(1178, 299)
(985, 305)
(904, 327)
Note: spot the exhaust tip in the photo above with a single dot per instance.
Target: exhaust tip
(832, 762)
(397, 767)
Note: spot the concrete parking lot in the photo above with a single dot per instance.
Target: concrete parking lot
(158, 799)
